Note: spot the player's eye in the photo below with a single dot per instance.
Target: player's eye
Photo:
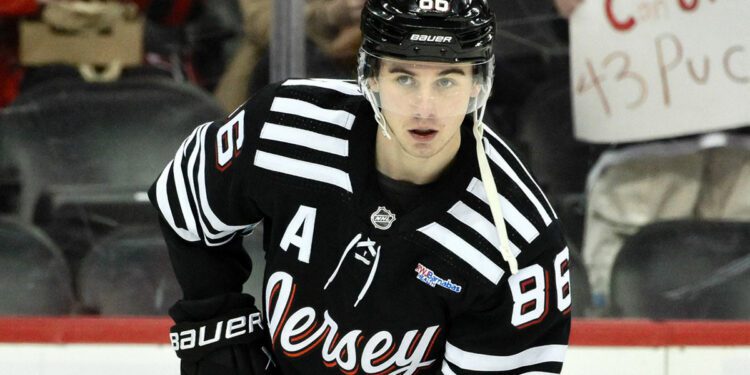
(405, 80)
(445, 83)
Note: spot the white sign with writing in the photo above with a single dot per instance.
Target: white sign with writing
(650, 69)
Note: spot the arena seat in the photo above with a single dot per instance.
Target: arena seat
(684, 270)
(128, 273)
(85, 153)
(35, 279)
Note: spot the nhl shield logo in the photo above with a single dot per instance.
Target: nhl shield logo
(382, 218)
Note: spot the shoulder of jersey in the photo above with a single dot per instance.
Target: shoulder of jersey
(469, 233)
(304, 137)
(515, 183)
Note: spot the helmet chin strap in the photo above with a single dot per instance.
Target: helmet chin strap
(493, 197)
(379, 118)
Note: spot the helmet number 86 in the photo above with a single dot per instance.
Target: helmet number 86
(439, 5)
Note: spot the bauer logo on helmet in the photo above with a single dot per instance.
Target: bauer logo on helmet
(431, 38)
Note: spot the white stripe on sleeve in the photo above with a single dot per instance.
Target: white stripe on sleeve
(162, 200)
(303, 169)
(297, 107)
(305, 138)
(464, 250)
(447, 369)
(180, 189)
(492, 133)
(512, 215)
(500, 162)
(198, 150)
(332, 84)
(213, 220)
(480, 224)
(484, 362)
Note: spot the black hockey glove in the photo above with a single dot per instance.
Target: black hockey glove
(222, 335)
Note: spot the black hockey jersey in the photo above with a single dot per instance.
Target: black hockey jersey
(351, 284)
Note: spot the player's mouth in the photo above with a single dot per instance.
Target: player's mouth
(423, 135)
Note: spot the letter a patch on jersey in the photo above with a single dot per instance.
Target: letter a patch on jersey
(304, 219)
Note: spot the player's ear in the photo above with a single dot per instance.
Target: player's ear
(476, 88)
(374, 84)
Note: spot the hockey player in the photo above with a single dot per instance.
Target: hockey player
(390, 248)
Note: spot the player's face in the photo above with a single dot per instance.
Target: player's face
(424, 103)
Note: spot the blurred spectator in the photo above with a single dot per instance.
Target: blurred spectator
(334, 28)
(95, 40)
(187, 39)
(231, 90)
(333, 40)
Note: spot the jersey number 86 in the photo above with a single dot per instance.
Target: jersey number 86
(530, 290)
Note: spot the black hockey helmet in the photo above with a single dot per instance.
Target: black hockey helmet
(429, 30)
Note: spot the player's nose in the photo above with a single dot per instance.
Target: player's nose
(424, 103)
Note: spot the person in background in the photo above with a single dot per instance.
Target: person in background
(332, 30)
(161, 14)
